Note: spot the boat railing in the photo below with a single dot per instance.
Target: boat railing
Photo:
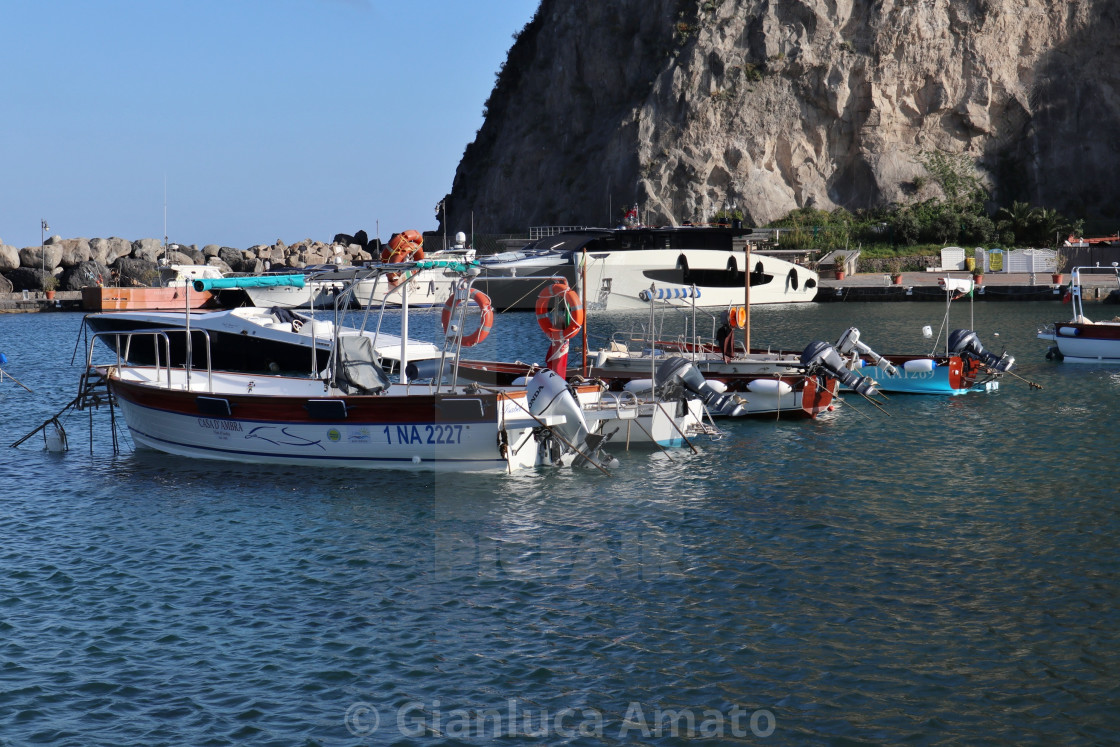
(1075, 284)
(623, 344)
(158, 336)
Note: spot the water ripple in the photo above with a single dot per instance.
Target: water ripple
(944, 574)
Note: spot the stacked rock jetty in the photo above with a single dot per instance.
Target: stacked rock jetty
(71, 264)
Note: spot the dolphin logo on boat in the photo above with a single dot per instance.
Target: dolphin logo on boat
(262, 432)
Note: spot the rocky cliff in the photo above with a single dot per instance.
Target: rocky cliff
(686, 107)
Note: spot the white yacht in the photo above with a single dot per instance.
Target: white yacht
(426, 287)
(621, 264)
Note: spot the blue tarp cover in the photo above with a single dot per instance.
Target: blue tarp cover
(255, 281)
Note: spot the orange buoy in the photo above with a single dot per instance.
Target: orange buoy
(572, 305)
(486, 321)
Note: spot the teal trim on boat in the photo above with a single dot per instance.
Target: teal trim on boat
(255, 281)
(932, 378)
(431, 264)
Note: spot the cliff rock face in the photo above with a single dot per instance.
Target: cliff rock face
(687, 107)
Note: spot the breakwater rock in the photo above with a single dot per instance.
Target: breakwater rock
(71, 264)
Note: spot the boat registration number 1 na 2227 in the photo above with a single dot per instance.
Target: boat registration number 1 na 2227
(439, 435)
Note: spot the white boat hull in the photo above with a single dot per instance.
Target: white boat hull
(616, 280)
(426, 288)
(295, 422)
(1097, 342)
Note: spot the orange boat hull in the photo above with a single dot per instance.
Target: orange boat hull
(129, 299)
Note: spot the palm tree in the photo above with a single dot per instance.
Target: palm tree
(1048, 224)
(1019, 219)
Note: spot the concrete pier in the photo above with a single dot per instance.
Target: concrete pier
(924, 286)
(32, 301)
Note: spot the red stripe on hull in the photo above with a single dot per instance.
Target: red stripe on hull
(387, 410)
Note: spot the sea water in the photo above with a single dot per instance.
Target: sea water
(942, 570)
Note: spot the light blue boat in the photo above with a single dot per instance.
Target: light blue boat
(930, 375)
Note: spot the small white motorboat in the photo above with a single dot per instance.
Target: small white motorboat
(1082, 340)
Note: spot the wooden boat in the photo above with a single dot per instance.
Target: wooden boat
(1082, 340)
(354, 416)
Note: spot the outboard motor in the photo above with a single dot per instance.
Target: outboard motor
(823, 356)
(849, 342)
(548, 394)
(680, 371)
(965, 343)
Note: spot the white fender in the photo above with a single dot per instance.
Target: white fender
(920, 365)
(717, 385)
(773, 387)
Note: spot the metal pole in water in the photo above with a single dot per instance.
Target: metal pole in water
(404, 331)
(747, 297)
(583, 294)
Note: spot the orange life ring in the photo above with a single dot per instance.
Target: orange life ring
(485, 322)
(574, 308)
(403, 247)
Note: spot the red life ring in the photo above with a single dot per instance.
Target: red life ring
(574, 308)
(485, 322)
(403, 247)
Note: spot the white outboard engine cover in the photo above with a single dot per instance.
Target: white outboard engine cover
(821, 355)
(964, 342)
(849, 342)
(548, 394)
(677, 369)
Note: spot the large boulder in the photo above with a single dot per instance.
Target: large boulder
(210, 250)
(108, 251)
(32, 257)
(230, 256)
(182, 256)
(28, 278)
(9, 257)
(84, 275)
(74, 252)
(149, 250)
(275, 255)
(222, 266)
(134, 272)
(6, 285)
(195, 254)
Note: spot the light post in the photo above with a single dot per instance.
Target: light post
(43, 242)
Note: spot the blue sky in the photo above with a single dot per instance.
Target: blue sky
(267, 119)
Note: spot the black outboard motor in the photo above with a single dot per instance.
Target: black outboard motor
(965, 343)
(821, 355)
(680, 371)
